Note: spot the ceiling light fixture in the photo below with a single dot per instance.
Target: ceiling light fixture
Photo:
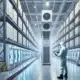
(34, 6)
(47, 4)
(35, 24)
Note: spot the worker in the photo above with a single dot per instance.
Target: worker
(62, 54)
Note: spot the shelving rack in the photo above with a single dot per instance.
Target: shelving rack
(16, 39)
(70, 29)
(70, 34)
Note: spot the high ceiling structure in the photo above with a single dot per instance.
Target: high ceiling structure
(60, 9)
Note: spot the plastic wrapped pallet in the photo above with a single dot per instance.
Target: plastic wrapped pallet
(77, 30)
(67, 29)
(24, 29)
(67, 37)
(20, 23)
(77, 20)
(72, 15)
(10, 31)
(67, 21)
(9, 9)
(71, 33)
(67, 45)
(15, 34)
(77, 7)
(20, 38)
(19, 7)
(71, 25)
(77, 39)
(24, 41)
(71, 43)
(24, 16)
(14, 16)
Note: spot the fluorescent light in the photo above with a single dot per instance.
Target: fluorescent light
(35, 24)
(47, 4)
(34, 6)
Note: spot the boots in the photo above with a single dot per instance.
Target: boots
(66, 76)
(60, 77)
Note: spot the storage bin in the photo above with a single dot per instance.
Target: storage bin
(10, 31)
(72, 15)
(20, 23)
(15, 35)
(77, 41)
(77, 7)
(77, 20)
(77, 30)
(19, 38)
(9, 9)
(71, 33)
(71, 43)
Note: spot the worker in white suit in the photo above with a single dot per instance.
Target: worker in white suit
(63, 54)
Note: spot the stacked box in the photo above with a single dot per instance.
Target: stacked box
(10, 31)
(20, 23)
(71, 43)
(9, 9)
(19, 38)
(77, 7)
(77, 20)
(24, 41)
(71, 15)
(14, 16)
(77, 39)
(19, 7)
(15, 35)
(77, 30)
(71, 33)
(24, 29)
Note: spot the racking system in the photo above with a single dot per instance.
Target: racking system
(17, 43)
(70, 33)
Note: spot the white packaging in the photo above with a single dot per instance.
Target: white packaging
(71, 33)
(71, 15)
(71, 43)
(19, 7)
(71, 25)
(24, 29)
(9, 9)
(77, 8)
(77, 20)
(77, 39)
(14, 16)
(15, 35)
(20, 38)
(77, 30)
(24, 41)
(20, 23)
(10, 31)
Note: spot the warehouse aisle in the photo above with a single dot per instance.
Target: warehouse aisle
(37, 71)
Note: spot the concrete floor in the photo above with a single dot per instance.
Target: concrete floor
(37, 71)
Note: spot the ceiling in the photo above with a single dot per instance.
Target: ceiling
(60, 9)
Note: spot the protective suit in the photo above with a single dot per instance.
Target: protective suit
(63, 54)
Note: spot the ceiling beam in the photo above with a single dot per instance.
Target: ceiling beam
(53, 22)
(39, 14)
(59, 1)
